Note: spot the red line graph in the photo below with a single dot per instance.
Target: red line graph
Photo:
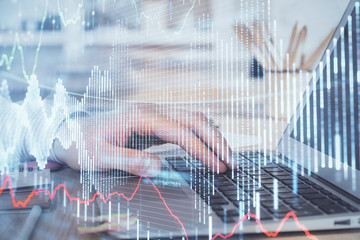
(36, 192)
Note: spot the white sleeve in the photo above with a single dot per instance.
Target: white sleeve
(27, 130)
(13, 134)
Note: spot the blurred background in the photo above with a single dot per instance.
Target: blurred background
(67, 38)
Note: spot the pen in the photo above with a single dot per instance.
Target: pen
(30, 223)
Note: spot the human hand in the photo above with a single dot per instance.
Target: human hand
(104, 138)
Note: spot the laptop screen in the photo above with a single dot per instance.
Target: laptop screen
(330, 119)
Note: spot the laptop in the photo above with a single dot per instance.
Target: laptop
(314, 173)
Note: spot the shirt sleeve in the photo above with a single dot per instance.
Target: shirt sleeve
(28, 129)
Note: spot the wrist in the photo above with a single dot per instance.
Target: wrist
(66, 156)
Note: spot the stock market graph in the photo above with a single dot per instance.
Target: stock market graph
(178, 119)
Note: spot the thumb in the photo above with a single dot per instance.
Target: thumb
(131, 160)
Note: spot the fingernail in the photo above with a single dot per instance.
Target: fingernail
(222, 168)
(150, 167)
(229, 161)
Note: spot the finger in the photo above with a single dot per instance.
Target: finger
(185, 138)
(201, 151)
(206, 131)
(213, 138)
(130, 160)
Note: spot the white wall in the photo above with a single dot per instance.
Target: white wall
(320, 16)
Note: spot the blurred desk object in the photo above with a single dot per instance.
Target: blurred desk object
(57, 222)
(60, 222)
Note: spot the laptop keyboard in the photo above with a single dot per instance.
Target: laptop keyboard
(240, 186)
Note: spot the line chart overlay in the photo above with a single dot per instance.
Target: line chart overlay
(7, 181)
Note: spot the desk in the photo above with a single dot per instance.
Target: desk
(59, 221)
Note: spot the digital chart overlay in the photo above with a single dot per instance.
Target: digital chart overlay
(7, 181)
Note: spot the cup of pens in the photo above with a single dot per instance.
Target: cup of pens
(284, 75)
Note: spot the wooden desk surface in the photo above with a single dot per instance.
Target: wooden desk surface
(59, 223)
